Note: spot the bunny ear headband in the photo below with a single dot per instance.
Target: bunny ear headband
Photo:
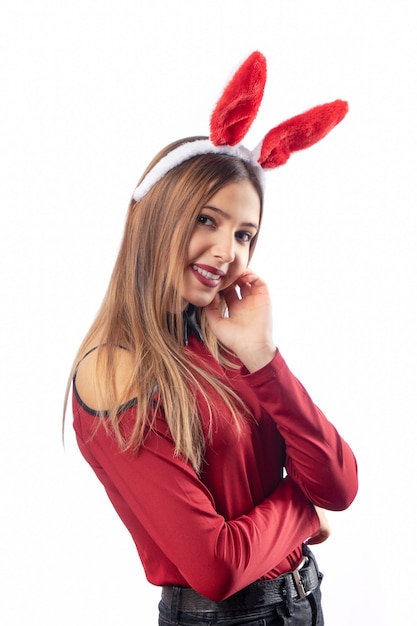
(231, 119)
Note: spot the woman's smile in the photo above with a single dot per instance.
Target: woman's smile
(208, 276)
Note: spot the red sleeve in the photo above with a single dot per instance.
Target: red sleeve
(166, 497)
(317, 458)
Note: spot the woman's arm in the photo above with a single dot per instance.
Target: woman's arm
(317, 457)
(165, 503)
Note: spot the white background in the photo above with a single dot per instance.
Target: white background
(90, 91)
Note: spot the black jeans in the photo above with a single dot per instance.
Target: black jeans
(292, 612)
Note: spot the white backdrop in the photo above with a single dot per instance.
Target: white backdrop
(90, 91)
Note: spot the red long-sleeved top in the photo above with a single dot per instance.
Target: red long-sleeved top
(240, 521)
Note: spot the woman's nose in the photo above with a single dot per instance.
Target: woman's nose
(225, 248)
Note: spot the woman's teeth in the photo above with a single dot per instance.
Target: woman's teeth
(205, 273)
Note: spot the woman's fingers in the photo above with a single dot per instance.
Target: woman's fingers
(230, 295)
(324, 531)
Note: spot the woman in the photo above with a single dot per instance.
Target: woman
(188, 414)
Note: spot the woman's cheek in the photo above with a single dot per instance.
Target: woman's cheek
(237, 271)
(228, 282)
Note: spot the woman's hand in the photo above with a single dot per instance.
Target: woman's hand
(248, 329)
(324, 531)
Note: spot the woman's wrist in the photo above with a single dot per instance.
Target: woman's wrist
(256, 359)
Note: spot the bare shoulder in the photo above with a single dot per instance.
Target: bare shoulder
(90, 376)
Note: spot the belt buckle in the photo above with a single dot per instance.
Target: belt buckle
(299, 585)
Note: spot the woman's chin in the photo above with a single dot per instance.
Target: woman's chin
(200, 302)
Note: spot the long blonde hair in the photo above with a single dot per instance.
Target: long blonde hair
(144, 298)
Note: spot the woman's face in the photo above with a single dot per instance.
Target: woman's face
(219, 247)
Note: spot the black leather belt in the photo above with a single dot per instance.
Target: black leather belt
(295, 585)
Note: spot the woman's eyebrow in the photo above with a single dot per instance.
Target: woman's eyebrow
(228, 217)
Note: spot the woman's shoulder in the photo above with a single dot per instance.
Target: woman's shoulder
(89, 379)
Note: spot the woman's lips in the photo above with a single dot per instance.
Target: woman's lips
(207, 275)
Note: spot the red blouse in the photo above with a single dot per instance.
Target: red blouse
(240, 520)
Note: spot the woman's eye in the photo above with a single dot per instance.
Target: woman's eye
(244, 237)
(205, 220)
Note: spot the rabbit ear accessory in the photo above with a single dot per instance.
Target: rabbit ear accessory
(233, 116)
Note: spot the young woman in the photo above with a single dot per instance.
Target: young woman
(188, 414)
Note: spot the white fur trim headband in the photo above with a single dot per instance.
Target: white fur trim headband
(186, 151)
(232, 118)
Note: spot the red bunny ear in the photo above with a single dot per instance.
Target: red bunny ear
(300, 132)
(239, 103)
